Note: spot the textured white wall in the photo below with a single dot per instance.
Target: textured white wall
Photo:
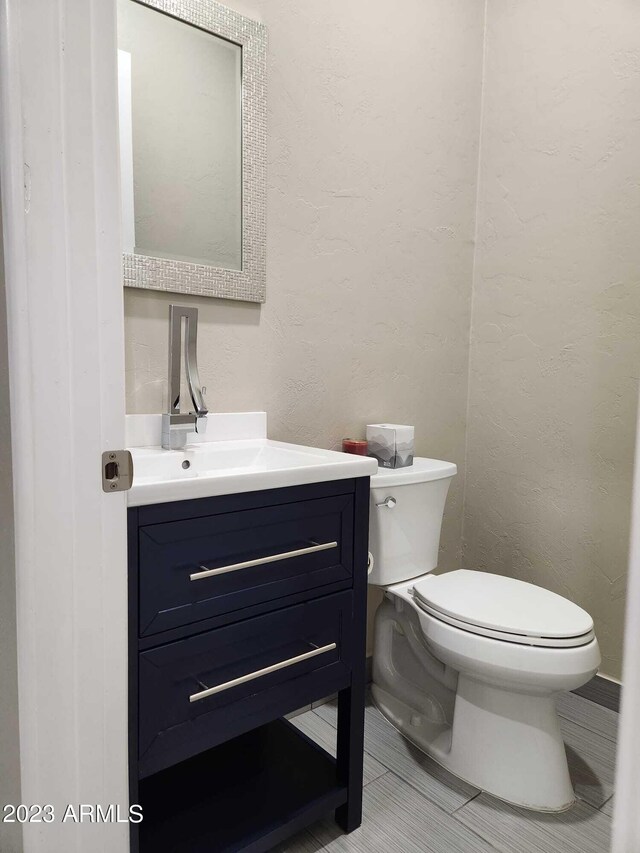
(373, 131)
(556, 312)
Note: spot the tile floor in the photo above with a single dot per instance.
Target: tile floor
(412, 805)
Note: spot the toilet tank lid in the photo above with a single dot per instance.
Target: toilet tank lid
(421, 471)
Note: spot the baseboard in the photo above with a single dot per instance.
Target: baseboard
(602, 691)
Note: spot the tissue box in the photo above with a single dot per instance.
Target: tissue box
(391, 444)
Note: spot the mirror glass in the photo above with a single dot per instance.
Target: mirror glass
(180, 95)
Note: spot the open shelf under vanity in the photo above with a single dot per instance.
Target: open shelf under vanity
(247, 794)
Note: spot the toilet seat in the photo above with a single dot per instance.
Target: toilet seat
(504, 609)
(521, 639)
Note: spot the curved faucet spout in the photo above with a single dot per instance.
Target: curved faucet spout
(191, 363)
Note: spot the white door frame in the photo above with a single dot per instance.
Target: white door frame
(61, 216)
(626, 823)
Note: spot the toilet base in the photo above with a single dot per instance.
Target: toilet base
(505, 743)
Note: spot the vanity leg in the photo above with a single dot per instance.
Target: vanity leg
(350, 744)
(350, 755)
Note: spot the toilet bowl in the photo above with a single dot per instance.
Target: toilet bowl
(466, 665)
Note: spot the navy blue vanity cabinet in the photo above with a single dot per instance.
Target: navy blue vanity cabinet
(244, 608)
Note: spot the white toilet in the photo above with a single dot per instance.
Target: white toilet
(466, 664)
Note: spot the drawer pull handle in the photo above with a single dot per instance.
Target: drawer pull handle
(274, 558)
(210, 691)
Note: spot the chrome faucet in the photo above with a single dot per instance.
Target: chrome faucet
(175, 424)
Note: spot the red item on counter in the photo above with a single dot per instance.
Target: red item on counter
(357, 446)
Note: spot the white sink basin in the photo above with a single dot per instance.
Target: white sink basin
(229, 467)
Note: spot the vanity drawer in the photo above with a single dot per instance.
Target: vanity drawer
(199, 568)
(208, 688)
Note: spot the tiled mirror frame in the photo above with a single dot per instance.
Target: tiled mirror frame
(249, 283)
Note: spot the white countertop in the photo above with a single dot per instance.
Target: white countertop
(217, 465)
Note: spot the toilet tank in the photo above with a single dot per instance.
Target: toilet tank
(407, 505)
